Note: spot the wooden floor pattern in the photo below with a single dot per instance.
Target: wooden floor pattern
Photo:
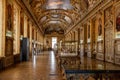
(44, 67)
(40, 67)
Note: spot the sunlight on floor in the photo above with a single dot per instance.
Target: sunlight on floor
(53, 62)
(34, 60)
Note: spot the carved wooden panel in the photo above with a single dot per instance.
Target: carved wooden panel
(9, 46)
(9, 61)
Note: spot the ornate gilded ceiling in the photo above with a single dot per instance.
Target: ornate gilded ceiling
(53, 17)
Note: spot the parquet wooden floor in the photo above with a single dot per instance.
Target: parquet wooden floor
(40, 67)
(44, 67)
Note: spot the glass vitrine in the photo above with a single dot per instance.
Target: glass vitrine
(69, 47)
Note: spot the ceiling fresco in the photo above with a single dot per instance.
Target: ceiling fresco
(59, 15)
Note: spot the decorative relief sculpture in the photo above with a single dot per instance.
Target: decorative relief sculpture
(83, 7)
(92, 3)
(109, 18)
(76, 4)
(14, 19)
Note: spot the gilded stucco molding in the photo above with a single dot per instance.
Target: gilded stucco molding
(29, 13)
(100, 5)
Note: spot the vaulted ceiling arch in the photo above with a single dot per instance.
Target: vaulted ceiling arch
(66, 17)
(54, 22)
(55, 12)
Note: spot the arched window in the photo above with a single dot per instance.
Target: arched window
(54, 42)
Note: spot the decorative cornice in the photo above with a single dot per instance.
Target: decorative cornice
(90, 13)
(25, 6)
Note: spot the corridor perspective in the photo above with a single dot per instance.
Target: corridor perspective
(59, 39)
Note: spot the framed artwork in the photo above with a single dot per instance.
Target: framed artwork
(9, 17)
(21, 25)
(118, 23)
(100, 27)
(108, 17)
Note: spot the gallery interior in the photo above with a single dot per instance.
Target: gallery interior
(59, 39)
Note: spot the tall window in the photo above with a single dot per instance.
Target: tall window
(54, 42)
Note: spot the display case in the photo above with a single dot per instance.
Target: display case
(88, 71)
(69, 47)
(24, 56)
(69, 53)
